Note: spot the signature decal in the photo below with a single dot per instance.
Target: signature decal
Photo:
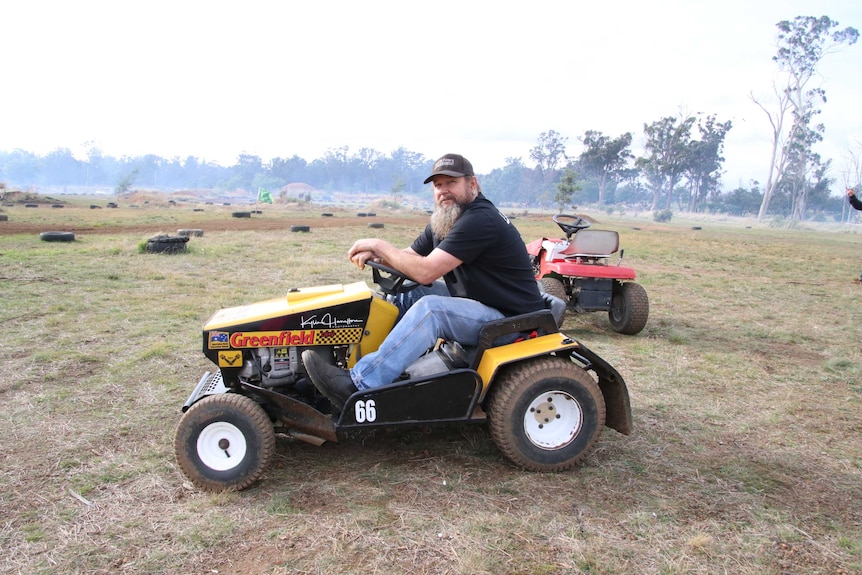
(327, 320)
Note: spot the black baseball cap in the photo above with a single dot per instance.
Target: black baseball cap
(454, 165)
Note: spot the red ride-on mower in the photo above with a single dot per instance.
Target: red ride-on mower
(577, 270)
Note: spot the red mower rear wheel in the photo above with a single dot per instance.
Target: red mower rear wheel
(629, 308)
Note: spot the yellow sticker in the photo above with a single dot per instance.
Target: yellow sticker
(230, 359)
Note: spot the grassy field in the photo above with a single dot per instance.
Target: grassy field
(746, 390)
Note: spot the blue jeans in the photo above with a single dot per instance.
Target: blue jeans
(429, 316)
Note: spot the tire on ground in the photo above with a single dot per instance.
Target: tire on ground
(196, 232)
(300, 228)
(375, 225)
(57, 236)
(241, 214)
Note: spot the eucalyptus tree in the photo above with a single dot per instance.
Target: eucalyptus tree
(703, 168)
(288, 170)
(334, 168)
(95, 161)
(60, 166)
(802, 45)
(739, 202)
(149, 170)
(666, 155)
(408, 166)
(363, 170)
(20, 167)
(803, 163)
(549, 153)
(513, 183)
(605, 159)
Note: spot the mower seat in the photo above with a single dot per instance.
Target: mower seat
(593, 243)
(555, 304)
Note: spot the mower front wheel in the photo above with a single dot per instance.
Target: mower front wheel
(546, 414)
(629, 308)
(224, 442)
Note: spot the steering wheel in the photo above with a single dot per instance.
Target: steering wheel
(577, 224)
(390, 280)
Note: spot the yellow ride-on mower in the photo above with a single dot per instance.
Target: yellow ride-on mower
(544, 396)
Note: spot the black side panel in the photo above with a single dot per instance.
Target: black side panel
(594, 294)
(448, 398)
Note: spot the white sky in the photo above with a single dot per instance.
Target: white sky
(214, 79)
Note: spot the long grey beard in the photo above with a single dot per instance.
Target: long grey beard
(443, 219)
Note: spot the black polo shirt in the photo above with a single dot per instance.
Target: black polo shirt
(496, 269)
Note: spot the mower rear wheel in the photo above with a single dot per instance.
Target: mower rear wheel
(555, 287)
(629, 308)
(224, 442)
(546, 414)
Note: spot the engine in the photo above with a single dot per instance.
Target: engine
(273, 366)
(282, 367)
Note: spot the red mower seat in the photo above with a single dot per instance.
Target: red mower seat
(593, 243)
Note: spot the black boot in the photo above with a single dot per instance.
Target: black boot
(333, 382)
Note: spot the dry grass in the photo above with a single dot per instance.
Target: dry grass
(745, 386)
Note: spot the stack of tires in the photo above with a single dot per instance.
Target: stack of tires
(164, 244)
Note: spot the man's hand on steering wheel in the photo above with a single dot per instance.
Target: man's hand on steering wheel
(359, 259)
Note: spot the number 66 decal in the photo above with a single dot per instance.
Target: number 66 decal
(365, 411)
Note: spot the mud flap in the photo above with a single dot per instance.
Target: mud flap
(614, 390)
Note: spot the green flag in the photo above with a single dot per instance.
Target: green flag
(263, 197)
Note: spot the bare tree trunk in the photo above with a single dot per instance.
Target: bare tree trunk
(778, 157)
(656, 194)
(603, 180)
(668, 203)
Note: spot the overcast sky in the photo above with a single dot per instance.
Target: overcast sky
(214, 79)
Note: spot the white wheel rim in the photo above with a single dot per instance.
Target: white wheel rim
(553, 420)
(221, 446)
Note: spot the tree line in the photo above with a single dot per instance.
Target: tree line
(679, 169)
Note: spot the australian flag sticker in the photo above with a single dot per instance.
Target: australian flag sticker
(219, 340)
